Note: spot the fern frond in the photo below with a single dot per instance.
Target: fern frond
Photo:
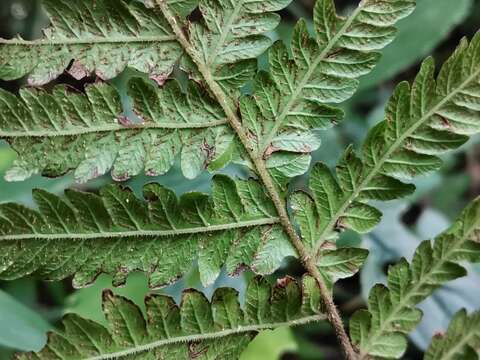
(461, 341)
(88, 132)
(292, 99)
(116, 233)
(422, 121)
(230, 37)
(380, 330)
(99, 36)
(198, 329)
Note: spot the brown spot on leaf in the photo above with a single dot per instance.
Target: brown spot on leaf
(125, 121)
(160, 78)
(151, 172)
(339, 225)
(120, 177)
(269, 151)
(195, 350)
(209, 150)
(78, 70)
(445, 122)
(327, 245)
(283, 282)
(239, 269)
(333, 53)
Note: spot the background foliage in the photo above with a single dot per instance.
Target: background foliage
(30, 307)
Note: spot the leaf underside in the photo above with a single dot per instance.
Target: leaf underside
(424, 120)
(88, 132)
(295, 97)
(226, 41)
(99, 36)
(116, 233)
(230, 38)
(197, 329)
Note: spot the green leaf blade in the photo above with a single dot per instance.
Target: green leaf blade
(81, 32)
(422, 121)
(116, 233)
(322, 71)
(197, 327)
(90, 134)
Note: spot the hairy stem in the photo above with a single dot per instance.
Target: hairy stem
(90, 41)
(140, 232)
(109, 128)
(202, 337)
(309, 263)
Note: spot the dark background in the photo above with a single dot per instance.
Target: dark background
(28, 307)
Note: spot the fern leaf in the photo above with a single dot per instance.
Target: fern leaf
(380, 330)
(341, 263)
(231, 37)
(116, 233)
(198, 329)
(422, 121)
(293, 99)
(461, 341)
(99, 36)
(88, 133)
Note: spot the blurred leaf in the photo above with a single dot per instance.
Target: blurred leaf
(392, 240)
(26, 330)
(450, 202)
(23, 290)
(418, 35)
(88, 302)
(270, 345)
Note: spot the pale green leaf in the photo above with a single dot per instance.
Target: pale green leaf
(295, 96)
(422, 121)
(343, 262)
(116, 233)
(88, 132)
(230, 36)
(99, 36)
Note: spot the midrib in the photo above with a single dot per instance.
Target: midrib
(306, 78)
(108, 128)
(141, 233)
(89, 41)
(182, 340)
(378, 165)
(404, 301)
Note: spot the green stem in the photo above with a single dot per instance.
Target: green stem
(89, 41)
(108, 128)
(141, 232)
